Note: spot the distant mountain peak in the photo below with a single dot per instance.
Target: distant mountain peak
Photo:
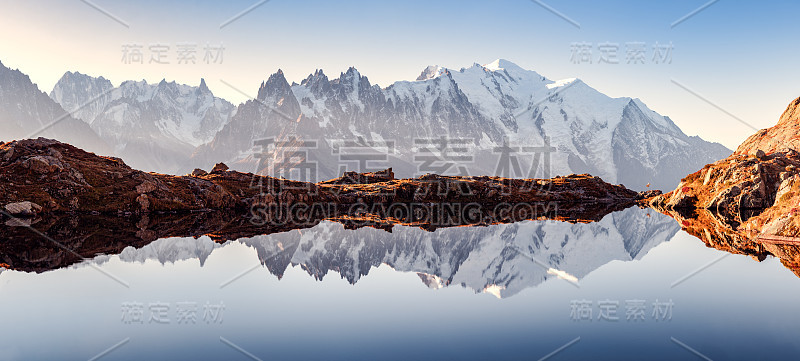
(24, 109)
(592, 132)
(564, 82)
(152, 126)
(313, 79)
(431, 72)
(276, 84)
(501, 64)
(203, 87)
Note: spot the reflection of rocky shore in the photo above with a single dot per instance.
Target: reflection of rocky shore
(757, 187)
(36, 244)
(719, 231)
(497, 259)
(741, 203)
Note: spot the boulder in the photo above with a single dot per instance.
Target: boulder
(145, 187)
(648, 194)
(784, 188)
(198, 173)
(144, 202)
(23, 209)
(43, 164)
(219, 167)
(724, 199)
(681, 198)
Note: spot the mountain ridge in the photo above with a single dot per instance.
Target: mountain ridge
(26, 111)
(160, 127)
(485, 104)
(153, 126)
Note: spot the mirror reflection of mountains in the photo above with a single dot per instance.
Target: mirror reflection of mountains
(500, 259)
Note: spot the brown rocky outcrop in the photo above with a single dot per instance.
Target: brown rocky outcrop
(782, 137)
(94, 204)
(219, 167)
(363, 178)
(735, 184)
(198, 173)
(757, 187)
(62, 178)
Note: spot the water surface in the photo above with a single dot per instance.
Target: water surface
(625, 287)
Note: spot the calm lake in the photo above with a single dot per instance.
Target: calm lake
(632, 286)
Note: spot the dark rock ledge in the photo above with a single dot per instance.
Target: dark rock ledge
(42, 176)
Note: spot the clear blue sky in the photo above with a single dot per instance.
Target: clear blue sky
(740, 55)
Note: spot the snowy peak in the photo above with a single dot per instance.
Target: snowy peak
(317, 77)
(276, 87)
(490, 104)
(351, 79)
(352, 72)
(203, 88)
(154, 127)
(83, 94)
(75, 77)
(564, 82)
(25, 111)
(431, 72)
(317, 83)
(503, 64)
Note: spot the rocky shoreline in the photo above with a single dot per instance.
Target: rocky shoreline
(44, 176)
(756, 189)
(91, 204)
(749, 202)
(27, 244)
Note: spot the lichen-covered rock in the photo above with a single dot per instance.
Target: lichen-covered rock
(146, 187)
(682, 197)
(43, 164)
(219, 167)
(23, 209)
(198, 173)
(144, 202)
(646, 195)
(785, 188)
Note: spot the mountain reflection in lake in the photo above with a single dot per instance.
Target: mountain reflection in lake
(602, 289)
(501, 259)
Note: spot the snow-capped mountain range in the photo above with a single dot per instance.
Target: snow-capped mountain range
(151, 126)
(25, 112)
(618, 139)
(498, 259)
(173, 128)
